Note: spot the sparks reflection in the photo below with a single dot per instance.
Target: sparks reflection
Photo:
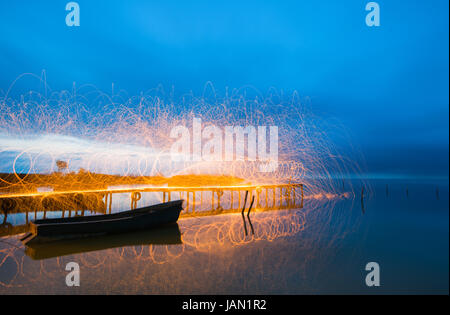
(221, 237)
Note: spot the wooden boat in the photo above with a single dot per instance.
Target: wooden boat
(47, 230)
(164, 235)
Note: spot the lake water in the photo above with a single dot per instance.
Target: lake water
(318, 249)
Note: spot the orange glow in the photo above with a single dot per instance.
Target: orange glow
(85, 139)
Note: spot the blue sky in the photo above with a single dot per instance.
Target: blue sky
(388, 85)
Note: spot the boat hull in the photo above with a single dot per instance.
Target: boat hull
(127, 221)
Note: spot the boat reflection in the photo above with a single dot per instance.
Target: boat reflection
(167, 235)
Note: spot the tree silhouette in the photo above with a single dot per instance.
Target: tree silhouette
(62, 165)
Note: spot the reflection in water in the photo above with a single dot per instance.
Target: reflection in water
(248, 214)
(245, 225)
(213, 235)
(212, 253)
(219, 239)
(168, 235)
(215, 254)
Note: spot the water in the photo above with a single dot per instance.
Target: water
(321, 248)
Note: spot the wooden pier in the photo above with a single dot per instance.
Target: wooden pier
(199, 201)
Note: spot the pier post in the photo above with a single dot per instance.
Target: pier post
(293, 196)
(239, 198)
(231, 198)
(281, 196)
(110, 202)
(258, 194)
(301, 191)
(219, 195)
(267, 199)
(187, 201)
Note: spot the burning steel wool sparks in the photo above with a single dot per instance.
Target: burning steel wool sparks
(111, 139)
